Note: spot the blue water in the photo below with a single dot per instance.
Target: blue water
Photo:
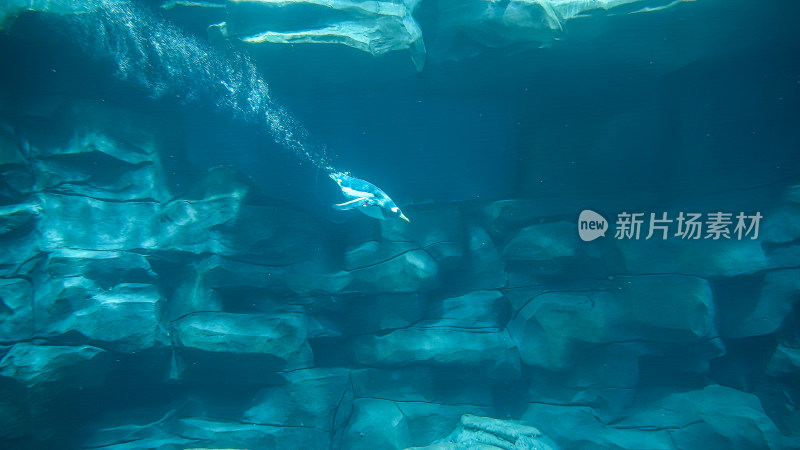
(174, 276)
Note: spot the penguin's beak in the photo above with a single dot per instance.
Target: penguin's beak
(403, 216)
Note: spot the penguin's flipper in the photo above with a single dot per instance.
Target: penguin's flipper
(349, 205)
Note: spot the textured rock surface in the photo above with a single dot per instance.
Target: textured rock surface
(480, 351)
(51, 367)
(376, 423)
(309, 399)
(247, 345)
(703, 258)
(487, 433)
(555, 329)
(543, 242)
(715, 416)
(387, 267)
(324, 335)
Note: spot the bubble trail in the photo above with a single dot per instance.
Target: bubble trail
(155, 55)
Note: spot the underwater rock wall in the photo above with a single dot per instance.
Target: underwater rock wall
(139, 313)
(146, 305)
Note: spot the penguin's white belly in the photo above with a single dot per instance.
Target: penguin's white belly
(376, 212)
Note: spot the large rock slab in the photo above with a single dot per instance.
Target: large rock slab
(213, 344)
(216, 216)
(107, 297)
(543, 242)
(106, 268)
(55, 368)
(557, 329)
(580, 428)
(386, 267)
(196, 225)
(304, 279)
(309, 398)
(705, 258)
(477, 309)
(127, 145)
(73, 221)
(372, 27)
(716, 416)
(489, 353)
(125, 318)
(211, 433)
(212, 217)
(371, 253)
(176, 431)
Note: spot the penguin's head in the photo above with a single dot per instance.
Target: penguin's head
(397, 213)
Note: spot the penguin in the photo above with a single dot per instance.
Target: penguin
(366, 197)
